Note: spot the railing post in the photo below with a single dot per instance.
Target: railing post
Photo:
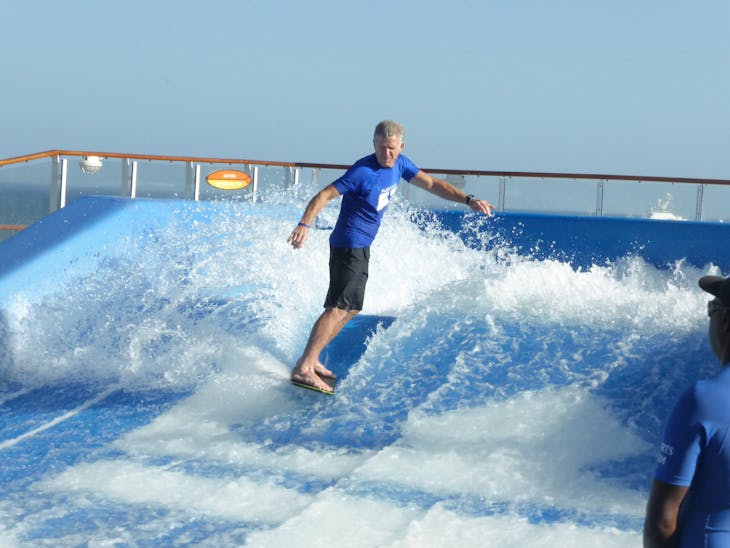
(133, 181)
(64, 175)
(502, 193)
(255, 184)
(197, 183)
(700, 202)
(124, 190)
(55, 191)
(59, 173)
(192, 181)
(189, 180)
(599, 198)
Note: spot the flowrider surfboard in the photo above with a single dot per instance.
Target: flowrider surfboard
(330, 382)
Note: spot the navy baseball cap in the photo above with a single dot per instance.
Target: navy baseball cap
(717, 286)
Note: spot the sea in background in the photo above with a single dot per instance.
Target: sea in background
(25, 191)
(490, 399)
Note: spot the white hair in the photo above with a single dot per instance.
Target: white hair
(388, 129)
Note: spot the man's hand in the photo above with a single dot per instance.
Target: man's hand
(481, 206)
(315, 205)
(298, 236)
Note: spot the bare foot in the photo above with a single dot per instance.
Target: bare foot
(310, 378)
(322, 371)
(314, 381)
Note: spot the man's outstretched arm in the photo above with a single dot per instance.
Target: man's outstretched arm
(315, 205)
(444, 190)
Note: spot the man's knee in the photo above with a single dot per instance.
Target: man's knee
(343, 315)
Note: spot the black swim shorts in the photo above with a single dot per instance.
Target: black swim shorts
(348, 276)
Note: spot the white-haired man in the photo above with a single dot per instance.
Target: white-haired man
(366, 189)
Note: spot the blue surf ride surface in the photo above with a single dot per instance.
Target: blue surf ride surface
(499, 373)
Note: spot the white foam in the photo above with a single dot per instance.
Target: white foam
(629, 291)
(7, 538)
(140, 328)
(538, 448)
(533, 448)
(225, 498)
(253, 387)
(338, 519)
(441, 527)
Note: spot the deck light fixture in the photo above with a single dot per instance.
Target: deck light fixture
(90, 164)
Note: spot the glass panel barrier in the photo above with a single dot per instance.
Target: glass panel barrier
(26, 183)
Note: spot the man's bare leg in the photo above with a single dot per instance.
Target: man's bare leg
(327, 326)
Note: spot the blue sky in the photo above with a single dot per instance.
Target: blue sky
(620, 86)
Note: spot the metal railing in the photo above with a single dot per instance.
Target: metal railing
(130, 171)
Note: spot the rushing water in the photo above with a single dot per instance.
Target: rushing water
(487, 399)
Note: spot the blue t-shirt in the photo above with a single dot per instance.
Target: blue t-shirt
(695, 451)
(366, 190)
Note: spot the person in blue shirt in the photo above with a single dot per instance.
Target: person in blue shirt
(689, 503)
(366, 189)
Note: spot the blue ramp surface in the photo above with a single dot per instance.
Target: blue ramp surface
(507, 381)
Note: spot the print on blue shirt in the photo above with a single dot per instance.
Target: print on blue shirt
(366, 188)
(695, 452)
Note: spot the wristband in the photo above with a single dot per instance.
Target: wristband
(305, 225)
(468, 199)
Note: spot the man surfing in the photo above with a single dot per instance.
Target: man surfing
(366, 189)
